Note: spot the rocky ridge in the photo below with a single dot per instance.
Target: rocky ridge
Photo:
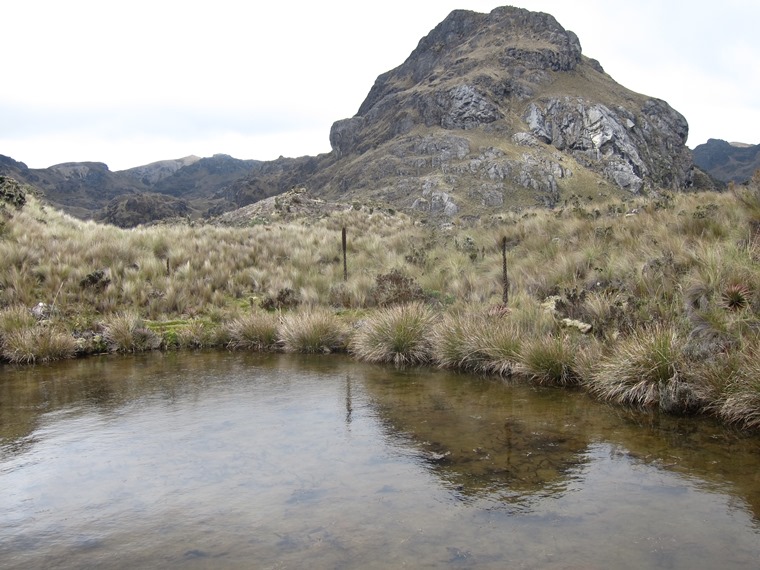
(497, 110)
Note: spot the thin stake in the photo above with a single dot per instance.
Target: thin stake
(504, 276)
(345, 266)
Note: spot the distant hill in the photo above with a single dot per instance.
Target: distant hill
(490, 111)
(728, 162)
(190, 186)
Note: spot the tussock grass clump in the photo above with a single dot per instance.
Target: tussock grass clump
(749, 197)
(126, 332)
(312, 331)
(499, 344)
(455, 340)
(479, 342)
(549, 360)
(38, 344)
(15, 318)
(647, 370)
(25, 341)
(400, 335)
(733, 387)
(199, 334)
(742, 404)
(255, 331)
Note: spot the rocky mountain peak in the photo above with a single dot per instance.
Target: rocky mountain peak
(518, 80)
(468, 43)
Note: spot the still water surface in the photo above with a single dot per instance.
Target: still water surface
(229, 460)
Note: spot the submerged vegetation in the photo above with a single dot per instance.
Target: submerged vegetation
(652, 302)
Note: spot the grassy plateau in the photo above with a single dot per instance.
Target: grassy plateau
(653, 302)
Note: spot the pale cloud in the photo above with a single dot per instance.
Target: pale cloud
(130, 83)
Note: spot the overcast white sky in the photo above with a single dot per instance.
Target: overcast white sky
(129, 83)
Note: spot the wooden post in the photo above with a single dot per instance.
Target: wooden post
(345, 266)
(504, 276)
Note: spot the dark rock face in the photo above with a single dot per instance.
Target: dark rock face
(728, 162)
(451, 49)
(623, 144)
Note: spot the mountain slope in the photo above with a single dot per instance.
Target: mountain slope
(495, 110)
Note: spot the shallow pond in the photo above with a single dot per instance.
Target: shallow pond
(230, 460)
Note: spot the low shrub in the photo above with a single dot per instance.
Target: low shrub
(395, 288)
(11, 192)
(285, 298)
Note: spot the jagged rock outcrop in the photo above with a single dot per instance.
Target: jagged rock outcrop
(728, 162)
(521, 80)
(625, 145)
